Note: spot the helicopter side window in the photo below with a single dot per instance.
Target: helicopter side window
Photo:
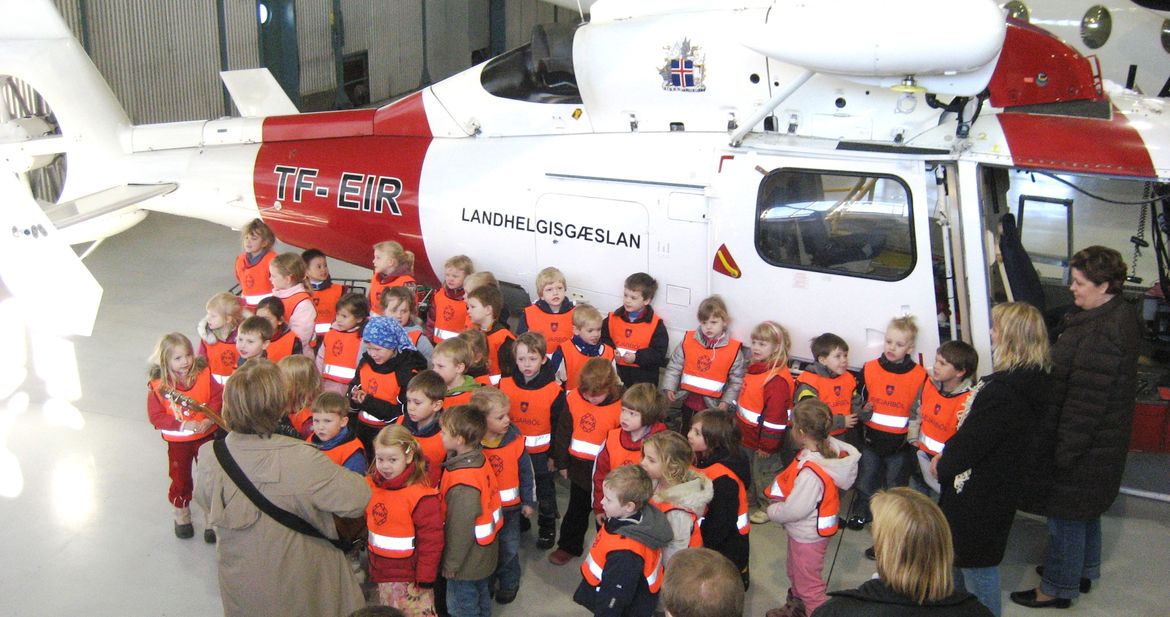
(539, 72)
(854, 225)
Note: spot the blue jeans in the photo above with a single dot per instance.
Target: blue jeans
(1074, 552)
(507, 576)
(875, 472)
(983, 583)
(469, 598)
(546, 492)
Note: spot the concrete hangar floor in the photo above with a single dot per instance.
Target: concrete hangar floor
(87, 527)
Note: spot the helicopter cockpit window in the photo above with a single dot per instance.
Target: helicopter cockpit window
(854, 225)
(539, 72)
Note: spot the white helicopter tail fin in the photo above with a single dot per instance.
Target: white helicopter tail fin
(257, 94)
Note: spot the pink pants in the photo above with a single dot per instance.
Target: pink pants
(805, 562)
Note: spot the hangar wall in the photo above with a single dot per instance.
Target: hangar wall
(162, 57)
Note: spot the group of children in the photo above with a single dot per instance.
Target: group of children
(461, 426)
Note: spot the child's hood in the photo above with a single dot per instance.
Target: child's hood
(209, 336)
(653, 529)
(843, 469)
(964, 386)
(694, 493)
(431, 429)
(469, 384)
(510, 435)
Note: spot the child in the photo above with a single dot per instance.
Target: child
(471, 513)
(808, 500)
(476, 280)
(175, 367)
(393, 267)
(762, 412)
(623, 573)
(679, 491)
(586, 343)
(594, 410)
(715, 441)
(552, 313)
(483, 308)
(643, 408)
(388, 364)
(217, 335)
(447, 313)
(400, 306)
(304, 384)
(893, 382)
(636, 333)
(252, 264)
(325, 293)
(708, 364)
(252, 339)
(405, 525)
(829, 380)
(934, 420)
(341, 347)
(284, 343)
(424, 401)
(331, 434)
(289, 283)
(478, 346)
(450, 360)
(536, 403)
(503, 445)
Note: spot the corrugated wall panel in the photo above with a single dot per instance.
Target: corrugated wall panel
(396, 59)
(356, 18)
(523, 14)
(314, 38)
(243, 34)
(447, 37)
(161, 59)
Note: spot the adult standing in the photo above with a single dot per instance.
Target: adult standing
(980, 469)
(1087, 436)
(266, 568)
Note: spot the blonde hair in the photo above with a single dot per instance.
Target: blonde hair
(160, 368)
(292, 265)
(477, 345)
(813, 418)
(479, 279)
(259, 228)
(532, 341)
(647, 400)
(713, 306)
(906, 325)
(630, 484)
(398, 436)
(394, 251)
(675, 453)
(586, 314)
(456, 349)
(227, 305)
(399, 295)
(302, 379)
(1023, 337)
(490, 398)
(776, 334)
(460, 262)
(597, 376)
(548, 276)
(912, 544)
(255, 398)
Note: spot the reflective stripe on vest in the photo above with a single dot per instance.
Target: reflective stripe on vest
(200, 391)
(696, 539)
(390, 518)
(255, 284)
(705, 369)
(629, 337)
(322, 328)
(339, 373)
(719, 470)
(482, 479)
(891, 395)
(222, 358)
(487, 531)
(530, 410)
(342, 351)
(584, 449)
(534, 443)
(450, 315)
(509, 496)
(504, 460)
(591, 425)
(391, 544)
(605, 542)
(836, 392)
(325, 301)
(894, 422)
(495, 341)
(371, 420)
(939, 414)
(445, 334)
(932, 447)
(827, 508)
(255, 299)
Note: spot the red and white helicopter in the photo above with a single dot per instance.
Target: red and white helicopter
(828, 173)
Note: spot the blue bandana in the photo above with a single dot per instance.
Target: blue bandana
(386, 332)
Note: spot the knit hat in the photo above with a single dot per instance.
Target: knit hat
(385, 332)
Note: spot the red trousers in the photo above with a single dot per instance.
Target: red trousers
(181, 456)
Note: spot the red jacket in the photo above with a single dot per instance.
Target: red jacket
(423, 564)
(162, 418)
(601, 464)
(777, 402)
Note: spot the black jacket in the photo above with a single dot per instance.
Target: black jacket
(405, 365)
(719, 529)
(651, 359)
(980, 470)
(875, 599)
(623, 591)
(1081, 453)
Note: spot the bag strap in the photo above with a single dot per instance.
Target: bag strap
(282, 516)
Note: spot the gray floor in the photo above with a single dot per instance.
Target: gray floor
(86, 524)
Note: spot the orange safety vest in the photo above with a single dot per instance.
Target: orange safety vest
(414, 336)
(575, 360)
(750, 406)
(696, 539)
(343, 351)
(630, 337)
(483, 380)
(222, 359)
(836, 392)
(719, 470)
(705, 370)
(200, 391)
(482, 479)
(343, 451)
(531, 412)
(290, 303)
(591, 424)
(452, 400)
(450, 316)
(605, 542)
(390, 518)
(830, 503)
(402, 280)
(557, 328)
(325, 301)
(432, 450)
(281, 346)
(495, 341)
(891, 396)
(940, 418)
(505, 461)
(382, 386)
(618, 454)
(297, 418)
(254, 282)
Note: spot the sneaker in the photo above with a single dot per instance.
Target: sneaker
(560, 557)
(856, 523)
(184, 531)
(209, 536)
(547, 538)
(759, 517)
(506, 596)
(870, 555)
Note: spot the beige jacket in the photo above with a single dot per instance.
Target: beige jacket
(266, 568)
